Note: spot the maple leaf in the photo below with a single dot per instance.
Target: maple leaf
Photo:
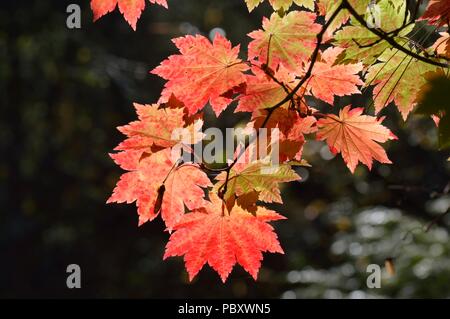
(131, 9)
(288, 40)
(183, 187)
(281, 4)
(442, 45)
(398, 78)
(256, 175)
(158, 128)
(292, 142)
(292, 130)
(203, 72)
(354, 136)
(223, 238)
(158, 185)
(328, 80)
(361, 44)
(328, 7)
(437, 12)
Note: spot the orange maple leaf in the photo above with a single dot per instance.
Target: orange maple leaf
(149, 176)
(292, 130)
(223, 238)
(154, 180)
(354, 136)
(442, 45)
(328, 80)
(158, 128)
(131, 9)
(203, 72)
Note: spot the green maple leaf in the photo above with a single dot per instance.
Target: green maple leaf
(259, 176)
(362, 45)
(281, 4)
(397, 78)
(328, 7)
(287, 40)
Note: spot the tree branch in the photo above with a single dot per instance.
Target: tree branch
(388, 39)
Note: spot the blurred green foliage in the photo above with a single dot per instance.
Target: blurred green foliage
(434, 101)
(63, 93)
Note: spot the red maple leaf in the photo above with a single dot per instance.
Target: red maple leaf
(131, 9)
(203, 72)
(437, 12)
(223, 238)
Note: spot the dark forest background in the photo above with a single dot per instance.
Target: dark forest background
(63, 93)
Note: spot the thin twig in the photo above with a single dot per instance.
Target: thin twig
(436, 220)
(389, 39)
